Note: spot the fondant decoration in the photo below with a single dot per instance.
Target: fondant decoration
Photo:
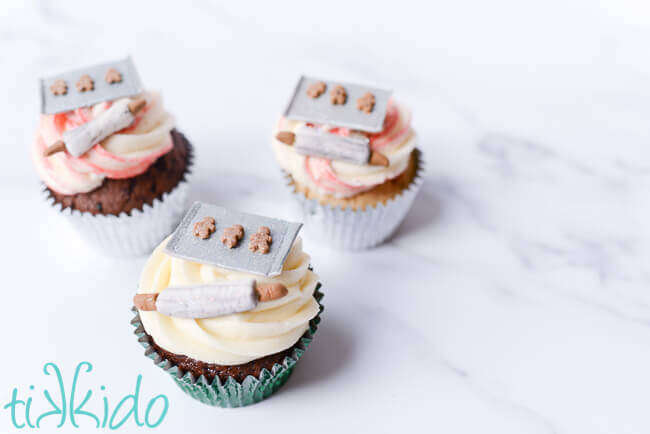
(316, 89)
(231, 235)
(79, 140)
(338, 95)
(260, 241)
(303, 107)
(85, 83)
(319, 143)
(366, 102)
(59, 87)
(100, 91)
(204, 228)
(183, 244)
(112, 76)
(217, 298)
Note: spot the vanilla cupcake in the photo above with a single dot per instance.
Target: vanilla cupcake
(350, 157)
(111, 160)
(228, 334)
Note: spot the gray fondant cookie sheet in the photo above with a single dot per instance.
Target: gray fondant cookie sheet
(103, 91)
(183, 244)
(320, 110)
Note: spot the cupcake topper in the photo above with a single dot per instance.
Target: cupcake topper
(340, 104)
(245, 242)
(79, 140)
(318, 143)
(217, 298)
(87, 86)
(346, 105)
(94, 84)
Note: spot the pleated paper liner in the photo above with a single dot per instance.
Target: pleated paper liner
(232, 393)
(351, 229)
(137, 232)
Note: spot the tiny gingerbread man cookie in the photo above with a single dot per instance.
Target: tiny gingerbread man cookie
(231, 235)
(85, 83)
(204, 228)
(338, 95)
(113, 76)
(316, 89)
(366, 102)
(261, 240)
(59, 87)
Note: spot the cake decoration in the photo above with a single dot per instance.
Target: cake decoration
(204, 228)
(304, 107)
(231, 235)
(92, 89)
(217, 298)
(260, 241)
(113, 76)
(183, 244)
(366, 102)
(335, 130)
(79, 140)
(338, 95)
(59, 87)
(316, 89)
(85, 83)
(319, 143)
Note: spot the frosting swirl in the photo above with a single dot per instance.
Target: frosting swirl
(342, 179)
(271, 327)
(124, 154)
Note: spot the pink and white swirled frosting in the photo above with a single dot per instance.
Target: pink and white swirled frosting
(341, 179)
(125, 154)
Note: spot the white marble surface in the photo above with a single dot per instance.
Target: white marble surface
(514, 298)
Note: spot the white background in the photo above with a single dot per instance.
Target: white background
(515, 296)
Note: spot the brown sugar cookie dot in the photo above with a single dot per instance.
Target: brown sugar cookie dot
(59, 87)
(85, 83)
(366, 102)
(113, 76)
(316, 89)
(338, 95)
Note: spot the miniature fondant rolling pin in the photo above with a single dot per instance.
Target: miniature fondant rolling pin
(319, 143)
(210, 300)
(79, 140)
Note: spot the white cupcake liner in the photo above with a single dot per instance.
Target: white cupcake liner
(350, 229)
(137, 232)
(133, 234)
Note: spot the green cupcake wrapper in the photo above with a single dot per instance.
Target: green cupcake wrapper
(232, 393)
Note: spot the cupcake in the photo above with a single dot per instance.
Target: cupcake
(227, 305)
(110, 157)
(349, 154)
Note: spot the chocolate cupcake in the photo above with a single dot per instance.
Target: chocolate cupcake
(349, 154)
(227, 305)
(111, 158)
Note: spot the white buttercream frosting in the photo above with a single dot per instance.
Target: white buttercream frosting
(271, 327)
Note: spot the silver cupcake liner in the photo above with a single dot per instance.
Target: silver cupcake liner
(350, 229)
(137, 232)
